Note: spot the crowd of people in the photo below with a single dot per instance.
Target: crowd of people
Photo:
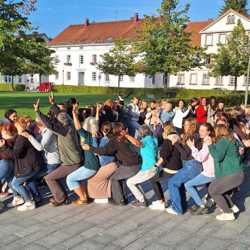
(103, 153)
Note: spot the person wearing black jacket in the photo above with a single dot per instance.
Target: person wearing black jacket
(169, 164)
(28, 162)
(127, 160)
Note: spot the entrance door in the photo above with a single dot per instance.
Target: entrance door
(81, 78)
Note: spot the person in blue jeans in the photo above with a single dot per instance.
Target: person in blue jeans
(6, 171)
(191, 168)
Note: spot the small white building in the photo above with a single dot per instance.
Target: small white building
(78, 49)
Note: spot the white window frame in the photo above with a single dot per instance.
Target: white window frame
(219, 81)
(195, 75)
(220, 38)
(181, 79)
(231, 80)
(231, 19)
(68, 76)
(205, 79)
(68, 59)
(81, 59)
(94, 76)
(132, 78)
(209, 42)
(107, 78)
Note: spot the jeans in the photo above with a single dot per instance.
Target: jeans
(140, 177)
(197, 181)
(6, 170)
(18, 187)
(190, 170)
(78, 175)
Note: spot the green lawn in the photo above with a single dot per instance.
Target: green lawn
(22, 101)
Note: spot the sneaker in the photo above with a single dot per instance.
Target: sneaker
(226, 217)
(170, 210)
(17, 201)
(101, 201)
(139, 204)
(235, 209)
(157, 205)
(28, 205)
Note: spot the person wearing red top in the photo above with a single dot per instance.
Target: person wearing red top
(201, 111)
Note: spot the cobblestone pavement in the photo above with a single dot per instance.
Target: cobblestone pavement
(111, 227)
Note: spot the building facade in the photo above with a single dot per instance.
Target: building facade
(78, 50)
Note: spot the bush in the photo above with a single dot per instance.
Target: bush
(8, 87)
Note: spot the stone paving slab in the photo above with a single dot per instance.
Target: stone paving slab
(108, 227)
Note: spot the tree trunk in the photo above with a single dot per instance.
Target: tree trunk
(12, 83)
(40, 78)
(235, 83)
(119, 82)
(165, 80)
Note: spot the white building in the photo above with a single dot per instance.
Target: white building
(78, 49)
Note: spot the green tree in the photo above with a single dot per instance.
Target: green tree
(237, 5)
(119, 61)
(164, 44)
(232, 57)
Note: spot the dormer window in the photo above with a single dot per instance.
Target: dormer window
(231, 19)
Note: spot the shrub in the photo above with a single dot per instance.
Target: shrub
(8, 87)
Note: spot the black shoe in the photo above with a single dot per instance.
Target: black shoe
(193, 209)
(202, 211)
(139, 204)
(57, 204)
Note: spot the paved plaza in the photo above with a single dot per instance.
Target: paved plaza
(111, 227)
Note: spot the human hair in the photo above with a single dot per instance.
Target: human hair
(192, 129)
(108, 103)
(209, 128)
(167, 130)
(9, 112)
(144, 131)
(222, 131)
(118, 128)
(23, 122)
(90, 124)
(9, 128)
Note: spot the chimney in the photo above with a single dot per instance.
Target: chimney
(136, 17)
(87, 23)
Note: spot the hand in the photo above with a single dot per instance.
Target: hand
(124, 132)
(75, 107)
(51, 99)
(190, 143)
(241, 151)
(2, 142)
(85, 147)
(25, 134)
(37, 105)
(246, 143)
(208, 140)
(189, 107)
(98, 107)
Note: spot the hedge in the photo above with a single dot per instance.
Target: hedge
(8, 87)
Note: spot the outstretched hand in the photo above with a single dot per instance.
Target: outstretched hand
(36, 105)
(75, 107)
(51, 98)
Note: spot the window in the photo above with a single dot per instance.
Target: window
(222, 38)
(68, 60)
(132, 79)
(68, 76)
(56, 75)
(245, 81)
(20, 79)
(68, 48)
(81, 47)
(208, 59)
(193, 79)
(209, 40)
(232, 80)
(231, 19)
(6, 79)
(181, 79)
(94, 59)
(81, 59)
(153, 79)
(32, 79)
(219, 80)
(121, 78)
(106, 77)
(205, 79)
(93, 76)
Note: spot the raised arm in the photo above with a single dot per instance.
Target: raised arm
(75, 117)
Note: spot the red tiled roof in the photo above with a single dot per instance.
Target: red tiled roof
(110, 31)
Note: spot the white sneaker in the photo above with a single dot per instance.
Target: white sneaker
(101, 201)
(235, 209)
(225, 217)
(28, 205)
(17, 200)
(170, 210)
(157, 205)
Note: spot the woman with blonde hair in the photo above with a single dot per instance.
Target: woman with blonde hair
(168, 165)
(228, 171)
